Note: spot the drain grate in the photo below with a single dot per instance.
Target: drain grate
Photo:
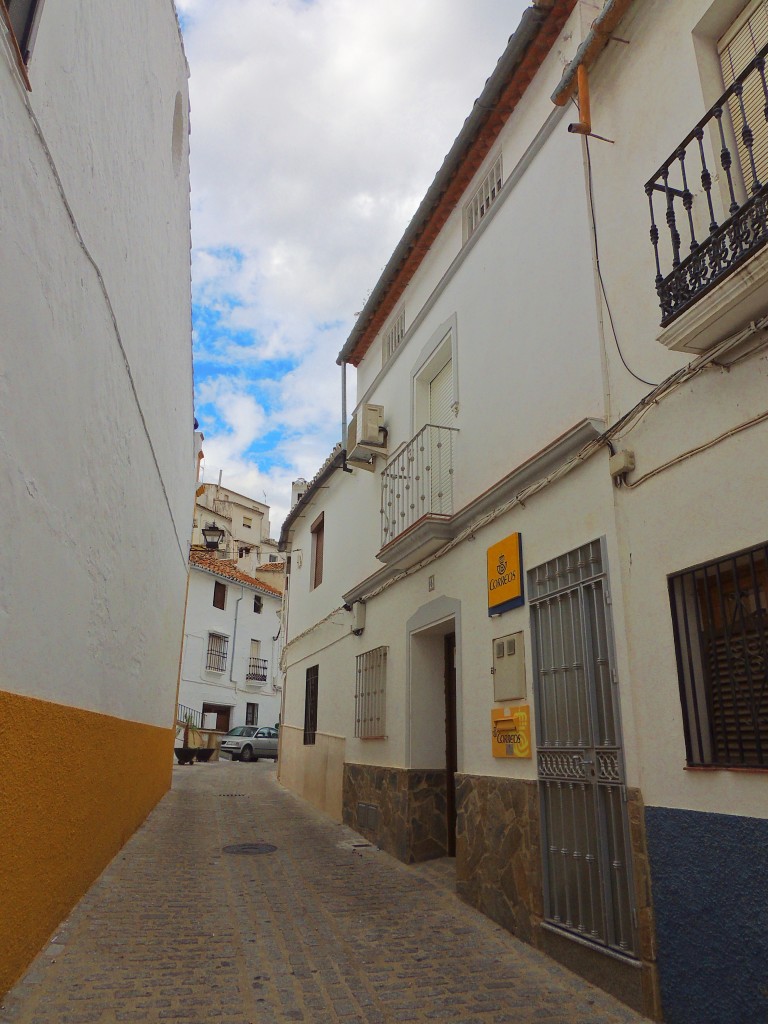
(250, 848)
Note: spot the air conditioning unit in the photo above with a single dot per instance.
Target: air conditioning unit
(358, 618)
(366, 436)
(209, 720)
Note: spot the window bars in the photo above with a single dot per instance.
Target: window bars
(310, 705)
(483, 199)
(394, 335)
(216, 659)
(720, 619)
(371, 694)
(257, 669)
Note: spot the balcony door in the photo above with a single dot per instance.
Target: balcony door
(441, 415)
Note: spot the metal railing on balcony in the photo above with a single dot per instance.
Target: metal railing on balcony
(721, 234)
(418, 481)
(257, 670)
(188, 716)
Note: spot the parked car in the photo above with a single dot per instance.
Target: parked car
(249, 743)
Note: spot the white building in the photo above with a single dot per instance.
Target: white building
(245, 523)
(97, 452)
(232, 647)
(529, 628)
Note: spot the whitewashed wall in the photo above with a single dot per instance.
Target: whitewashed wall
(647, 96)
(96, 385)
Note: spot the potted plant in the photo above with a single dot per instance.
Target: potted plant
(185, 754)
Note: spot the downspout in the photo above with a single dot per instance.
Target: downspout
(584, 125)
(597, 39)
(344, 406)
(234, 637)
(344, 465)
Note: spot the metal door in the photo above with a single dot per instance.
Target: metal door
(585, 842)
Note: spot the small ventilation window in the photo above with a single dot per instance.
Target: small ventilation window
(484, 198)
(393, 336)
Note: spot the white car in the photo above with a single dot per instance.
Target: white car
(250, 742)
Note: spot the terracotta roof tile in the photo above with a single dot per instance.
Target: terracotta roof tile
(200, 558)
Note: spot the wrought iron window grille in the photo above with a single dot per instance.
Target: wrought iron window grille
(310, 705)
(720, 620)
(484, 197)
(371, 694)
(718, 242)
(393, 337)
(257, 669)
(216, 656)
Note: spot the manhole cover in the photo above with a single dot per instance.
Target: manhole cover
(250, 848)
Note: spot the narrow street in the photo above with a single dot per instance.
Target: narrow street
(309, 924)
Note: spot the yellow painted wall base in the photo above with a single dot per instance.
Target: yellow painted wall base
(315, 771)
(74, 786)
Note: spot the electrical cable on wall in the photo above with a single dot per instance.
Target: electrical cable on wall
(600, 272)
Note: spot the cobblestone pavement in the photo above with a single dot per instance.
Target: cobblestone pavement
(322, 929)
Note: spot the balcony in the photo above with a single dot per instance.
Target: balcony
(713, 229)
(417, 496)
(257, 670)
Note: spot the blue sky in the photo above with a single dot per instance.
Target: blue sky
(316, 128)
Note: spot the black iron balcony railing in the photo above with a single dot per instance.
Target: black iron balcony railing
(257, 669)
(737, 122)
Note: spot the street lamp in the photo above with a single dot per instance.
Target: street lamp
(213, 536)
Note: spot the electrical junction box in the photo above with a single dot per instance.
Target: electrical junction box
(509, 667)
(622, 462)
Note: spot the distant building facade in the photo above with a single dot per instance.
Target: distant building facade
(97, 455)
(244, 520)
(232, 646)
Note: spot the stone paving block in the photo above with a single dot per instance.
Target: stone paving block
(320, 931)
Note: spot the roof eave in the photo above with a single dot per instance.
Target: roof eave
(335, 462)
(485, 108)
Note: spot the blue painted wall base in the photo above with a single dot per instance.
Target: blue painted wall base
(710, 891)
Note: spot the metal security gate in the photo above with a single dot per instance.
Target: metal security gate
(585, 842)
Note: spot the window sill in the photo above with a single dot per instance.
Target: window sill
(728, 308)
(744, 769)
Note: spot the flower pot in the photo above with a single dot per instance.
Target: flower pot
(185, 755)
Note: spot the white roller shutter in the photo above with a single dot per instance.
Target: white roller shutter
(737, 47)
(441, 397)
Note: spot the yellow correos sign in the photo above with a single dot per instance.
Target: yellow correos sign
(505, 575)
(511, 731)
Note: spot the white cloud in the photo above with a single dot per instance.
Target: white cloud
(316, 129)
